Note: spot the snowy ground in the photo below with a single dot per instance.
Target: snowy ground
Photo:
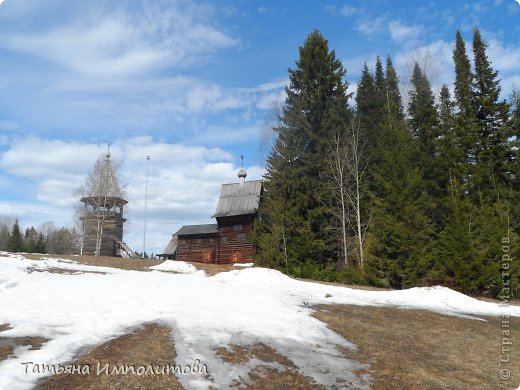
(89, 305)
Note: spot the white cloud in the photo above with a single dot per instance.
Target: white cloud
(401, 32)
(349, 10)
(184, 182)
(372, 27)
(120, 43)
(440, 64)
(504, 58)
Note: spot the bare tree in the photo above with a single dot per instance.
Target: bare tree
(347, 164)
(337, 161)
(357, 166)
(429, 66)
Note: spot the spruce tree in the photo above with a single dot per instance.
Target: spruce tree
(15, 243)
(465, 118)
(400, 228)
(368, 109)
(492, 120)
(295, 194)
(41, 245)
(423, 116)
(30, 239)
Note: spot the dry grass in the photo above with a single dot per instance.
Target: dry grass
(130, 264)
(8, 344)
(411, 349)
(150, 345)
(103, 261)
(263, 376)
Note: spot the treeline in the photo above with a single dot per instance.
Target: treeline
(47, 238)
(370, 191)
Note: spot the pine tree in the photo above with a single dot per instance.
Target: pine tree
(15, 243)
(316, 105)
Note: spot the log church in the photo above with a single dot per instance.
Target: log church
(228, 240)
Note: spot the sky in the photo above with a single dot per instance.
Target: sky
(194, 85)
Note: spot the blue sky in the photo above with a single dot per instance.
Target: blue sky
(193, 84)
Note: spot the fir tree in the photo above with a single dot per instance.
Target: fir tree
(316, 105)
(15, 243)
(401, 230)
(492, 152)
(368, 109)
(40, 246)
(30, 239)
(464, 147)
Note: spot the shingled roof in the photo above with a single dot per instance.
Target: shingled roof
(171, 248)
(190, 230)
(239, 199)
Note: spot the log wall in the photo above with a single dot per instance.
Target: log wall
(112, 232)
(197, 248)
(235, 244)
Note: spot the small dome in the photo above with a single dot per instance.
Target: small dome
(242, 173)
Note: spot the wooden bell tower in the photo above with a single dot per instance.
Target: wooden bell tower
(102, 216)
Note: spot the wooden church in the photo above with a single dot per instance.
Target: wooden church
(228, 240)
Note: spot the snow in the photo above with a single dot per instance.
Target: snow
(94, 304)
(177, 266)
(243, 264)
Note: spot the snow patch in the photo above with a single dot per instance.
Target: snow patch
(243, 265)
(177, 266)
(243, 306)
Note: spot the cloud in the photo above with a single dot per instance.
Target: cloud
(401, 32)
(506, 58)
(123, 42)
(349, 10)
(372, 27)
(183, 187)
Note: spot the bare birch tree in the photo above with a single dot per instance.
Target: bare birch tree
(347, 164)
(337, 161)
(357, 166)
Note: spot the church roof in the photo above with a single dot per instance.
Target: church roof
(239, 199)
(188, 230)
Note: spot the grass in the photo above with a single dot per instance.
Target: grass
(8, 344)
(129, 264)
(404, 349)
(151, 344)
(412, 349)
(263, 376)
(102, 261)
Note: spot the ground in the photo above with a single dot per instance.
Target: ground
(387, 347)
